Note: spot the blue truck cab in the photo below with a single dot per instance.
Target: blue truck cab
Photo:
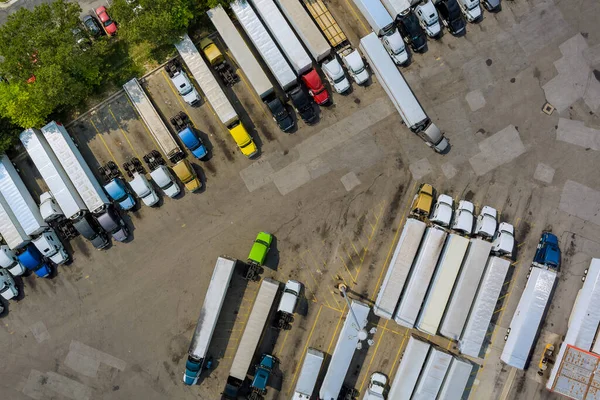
(117, 190)
(194, 144)
(32, 259)
(263, 371)
(547, 252)
(193, 368)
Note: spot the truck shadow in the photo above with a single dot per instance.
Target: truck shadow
(272, 260)
(201, 176)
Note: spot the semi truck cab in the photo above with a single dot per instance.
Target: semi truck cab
(8, 289)
(186, 173)
(51, 247)
(193, 368)
(31, 258)
(243, 139)
(263, 372)
(117, 190)
(49, 208)
(548, 253)
(9, 261)
(143, 189)
(165, 180)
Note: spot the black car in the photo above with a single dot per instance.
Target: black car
(303, 105)
(452, 17)
(93, 26)
(280, 114)
(411, 31)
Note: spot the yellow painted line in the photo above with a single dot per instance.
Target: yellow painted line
(371, 361)
(146, 129)
(387, 259)
(397, 356)
(312, 293)
(251, 90)
(304, 351)
(517, 222)
(283, 343)
(449, 345)
(254, 301)
(336, 329)
(354, 247)
(105, 145)
(331, 308)
(316, 264)
(351, 7)
(179, 99)
(520, 244)
(312, 275)
(124, 134)
(347, 270)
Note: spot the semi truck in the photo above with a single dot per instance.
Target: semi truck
(217, 61)
(19, 199)
(442, 284)
(215, 96)
(76, 168)
(481, 313)
(525, 324)
(399, 268)
(251, 336)
(383, 26)
(409, 370)
(400, 94)
(420, 276)
(8, 289)
(287, 304)
(209, 315)
(397, 8)
(584, 320)
(456, 380)
(465, 288)
(311, 367)
(261, 376)
(305, 28)
(9, 261)
(344, 351)
(53, 173)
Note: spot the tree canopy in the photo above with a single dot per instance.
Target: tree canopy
(46, 69)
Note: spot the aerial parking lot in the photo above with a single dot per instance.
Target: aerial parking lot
(117, 324)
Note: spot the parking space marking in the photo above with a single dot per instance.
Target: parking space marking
(372, 358)
(387, 259)
(105, 145)
(316, 265)
(251, 90)
(243, 323)
(311, 274)
(283, 343)
(146, 128)
(336, 329)
(398, 355)
(312, 330)
(124, 134)
(351, 7)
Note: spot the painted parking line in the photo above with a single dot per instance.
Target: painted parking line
(105, 145)
(316, 265)
(353, 9)
(336, 329)
(283, 343)
(146, 129)
(243, 323)
(251, 90)
(400, 348)
(124, 134)
(372, 358)
(311, 274)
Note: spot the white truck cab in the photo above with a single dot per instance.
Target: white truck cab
(335, 75)
(394, 45)
(463, 218)
(288, 301)
(434, 138)
(50, 246)
(442, 211)
(163, 177)
(356, 67)
(376, 387)
(487, 222)
(185, 88)
(428, 18)
(49, 208)
(504, 240)
(9, 261)
(8, 289)
(143, 189)
(471, 9)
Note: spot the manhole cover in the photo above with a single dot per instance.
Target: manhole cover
(548, 109)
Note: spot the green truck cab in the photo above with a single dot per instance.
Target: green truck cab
(258, 254)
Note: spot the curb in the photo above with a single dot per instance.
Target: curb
(8, 4)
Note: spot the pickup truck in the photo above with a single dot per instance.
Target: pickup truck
(261, 377)
(287, 304)
(258, 254)
(547, 253)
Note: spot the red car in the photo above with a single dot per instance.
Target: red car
(315, 87)
(108, 24)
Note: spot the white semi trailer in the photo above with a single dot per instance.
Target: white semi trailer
(442, 284)
(399, 268)
(409, 370)
(401, 95)
(432, 375)
(53, 173)
(308, 374)
(465, 288)
(420, 276)
(456, 380)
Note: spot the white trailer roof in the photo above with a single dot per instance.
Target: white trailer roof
(409, 370)
(456, 380)
(284, 36)
(264, 43)
(396, 7)
(150, 116)
(305, 27)
(240, 51)
(442, 284)
(526, 320)
(423, 269)
(19, 199)
(343, 352)
(483, 308)
(75, 166)
(10, 229)
(207, 81)
(392, 81)
(254, 328)
(308, 374)
(52, 172)
(578, 376)
(375, 14)
(465, 289)
(584, 320)
(397, 272)
(432, 376)
(211, 308)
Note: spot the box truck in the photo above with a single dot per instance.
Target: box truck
(400, 94)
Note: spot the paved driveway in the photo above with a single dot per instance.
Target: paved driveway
(86, 5)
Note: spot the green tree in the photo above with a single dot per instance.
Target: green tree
(9, 134)
(47, 71)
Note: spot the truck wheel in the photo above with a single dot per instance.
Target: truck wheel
(3, 308)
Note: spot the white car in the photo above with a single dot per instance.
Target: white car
(487, 222)
(428, 19)
(442, 211)
(463, 219)
(394, 45)
(356, 67)
(471, 9)
(335, 75)
(376, 386)
(504, 240)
